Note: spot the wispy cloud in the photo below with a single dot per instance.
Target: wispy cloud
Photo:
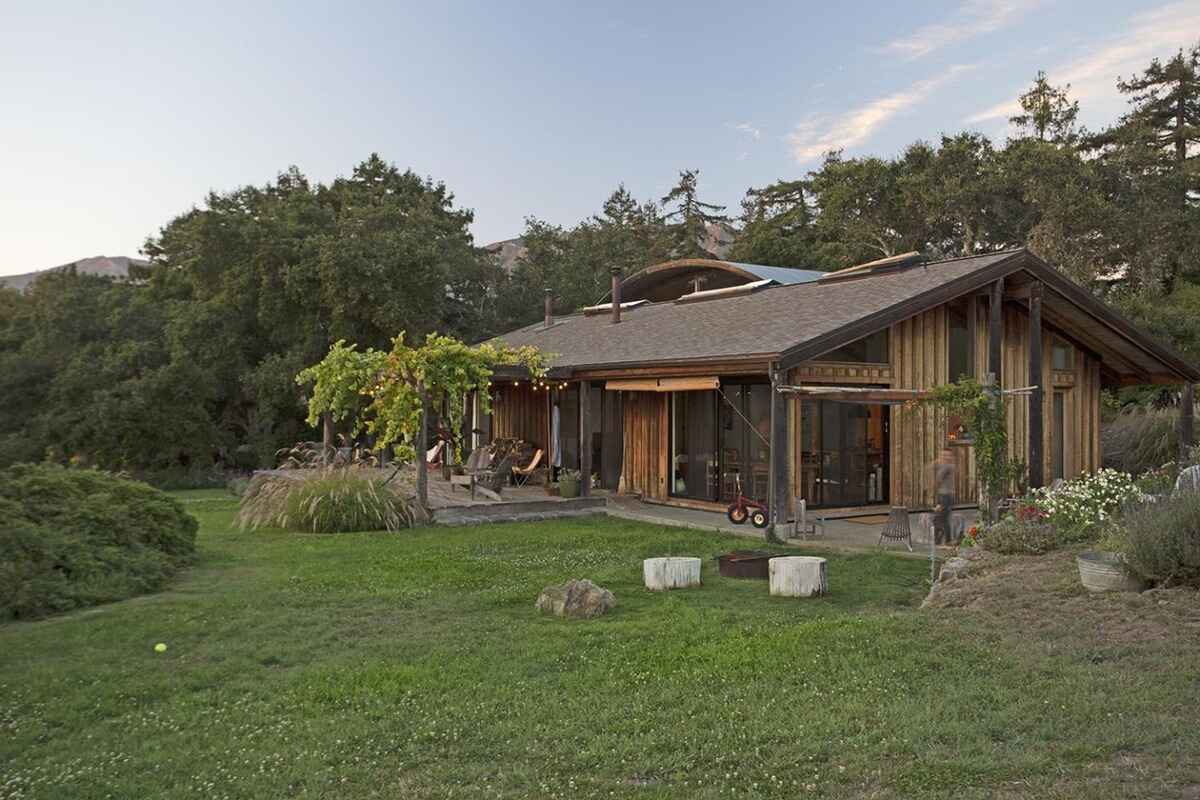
(973, 18)
(748, 129)
(820, 133)
(1151, 34)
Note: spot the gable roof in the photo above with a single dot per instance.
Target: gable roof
(800, 321)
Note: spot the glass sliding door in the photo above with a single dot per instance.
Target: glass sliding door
(744, 432)
(843, 453)
(695, 473)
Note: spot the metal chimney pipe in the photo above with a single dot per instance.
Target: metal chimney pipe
(547, 303)
(616, 294)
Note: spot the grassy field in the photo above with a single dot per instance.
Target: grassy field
(414, 666)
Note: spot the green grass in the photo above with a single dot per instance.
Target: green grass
(413, 665)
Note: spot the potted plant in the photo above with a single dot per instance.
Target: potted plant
(1104, 569)
(568, 483)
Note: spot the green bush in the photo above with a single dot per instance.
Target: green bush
(332, 500)
(71, 538)
(1161, 540)
(1028, 537)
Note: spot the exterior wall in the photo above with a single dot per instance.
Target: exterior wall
(518, 412)
(645, 466)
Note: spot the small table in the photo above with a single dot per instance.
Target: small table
(467, 481)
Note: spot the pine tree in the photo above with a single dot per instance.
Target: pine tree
(1151, 173)
(777, 227)
(687, 231)
(1048, 112)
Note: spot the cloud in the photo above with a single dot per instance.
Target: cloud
(816, 135)
(974, 17)
(748, 129)
(1152, 34)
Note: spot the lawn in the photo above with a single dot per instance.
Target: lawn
(414, 666)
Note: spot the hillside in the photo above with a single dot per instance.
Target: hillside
(113, 266)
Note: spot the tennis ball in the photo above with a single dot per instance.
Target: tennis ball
(160, 648)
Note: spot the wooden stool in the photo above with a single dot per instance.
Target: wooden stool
(797, 576)
(896, 529)
(661, 574)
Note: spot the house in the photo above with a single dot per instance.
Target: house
(686, 383)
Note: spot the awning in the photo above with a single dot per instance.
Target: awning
(663, 384)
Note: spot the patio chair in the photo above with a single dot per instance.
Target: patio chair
(520, 475)
(896, 529)
(433, 456)
(491, 481)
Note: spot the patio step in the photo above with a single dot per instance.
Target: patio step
(518, 511)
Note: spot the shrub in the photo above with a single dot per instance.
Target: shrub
(1140, 439)
(1079, 507)
(332, 500)
(1027, 537)
(1161, 541)
(72, 538)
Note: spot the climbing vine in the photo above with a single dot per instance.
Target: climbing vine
(982, 410)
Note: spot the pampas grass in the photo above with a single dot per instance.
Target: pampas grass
(330, 500)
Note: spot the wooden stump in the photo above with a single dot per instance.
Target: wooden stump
(661, 574)
(798, 576)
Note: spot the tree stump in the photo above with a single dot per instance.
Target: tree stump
(797, 576)
(661, 574)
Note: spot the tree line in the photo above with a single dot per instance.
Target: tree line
(191, 362)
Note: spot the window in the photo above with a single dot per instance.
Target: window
(961, 347)
(1058, 450)
(1062, 355)
(871, 349)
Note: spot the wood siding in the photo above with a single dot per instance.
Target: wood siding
(518, 412)
(645, 468)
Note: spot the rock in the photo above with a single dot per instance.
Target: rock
(797, 576)
(971, 553)
(678, 572)
(954, 569)
(580, 599)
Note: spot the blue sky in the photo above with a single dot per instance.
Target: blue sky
(118, 117)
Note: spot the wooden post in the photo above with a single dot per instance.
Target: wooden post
(468, 424)
(585, 439)
(1037, 469)
(1187, 420)
(421, 448)
(995, 329)
(447, 449)
(779, 464)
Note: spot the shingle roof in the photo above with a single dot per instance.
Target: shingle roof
(801, 321)
(767, 322)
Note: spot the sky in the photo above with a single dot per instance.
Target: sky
(116, 117)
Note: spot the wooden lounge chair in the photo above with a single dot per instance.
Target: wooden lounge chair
(479, 461)
(520, 475)
(491, 481)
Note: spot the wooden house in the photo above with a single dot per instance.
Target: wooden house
(686, 383)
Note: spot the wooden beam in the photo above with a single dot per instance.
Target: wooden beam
(1037, 469)
(585, 439)
(996, 329)
(779, 481)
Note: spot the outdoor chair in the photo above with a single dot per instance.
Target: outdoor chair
(896, 529)
(478, 461)
(491, 481)
(433, 456)
(520, 475)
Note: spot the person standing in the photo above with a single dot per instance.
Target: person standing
(943, 474)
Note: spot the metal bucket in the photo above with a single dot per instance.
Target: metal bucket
(1104, 572)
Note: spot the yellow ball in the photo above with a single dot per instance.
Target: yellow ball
(160, 648)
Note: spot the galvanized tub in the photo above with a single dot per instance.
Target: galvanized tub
(1104, 572)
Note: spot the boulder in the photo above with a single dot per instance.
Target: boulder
(954, 569)
(580, 599)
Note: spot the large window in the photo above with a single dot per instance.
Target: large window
(695, 471)
(961, 346)
(871, 349)
(719, 439)
(843, 453)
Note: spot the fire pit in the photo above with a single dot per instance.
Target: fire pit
(745, 564)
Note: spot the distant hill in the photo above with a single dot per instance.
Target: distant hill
(718, 239)
(114, 266)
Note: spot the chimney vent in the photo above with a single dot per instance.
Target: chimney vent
(616, 295)
(547, 305)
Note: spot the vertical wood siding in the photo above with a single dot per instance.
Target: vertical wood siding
(518, 412)
(644, 469)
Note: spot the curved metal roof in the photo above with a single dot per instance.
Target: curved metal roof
(654, 274)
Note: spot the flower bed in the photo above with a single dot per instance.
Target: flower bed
(1079, 507)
